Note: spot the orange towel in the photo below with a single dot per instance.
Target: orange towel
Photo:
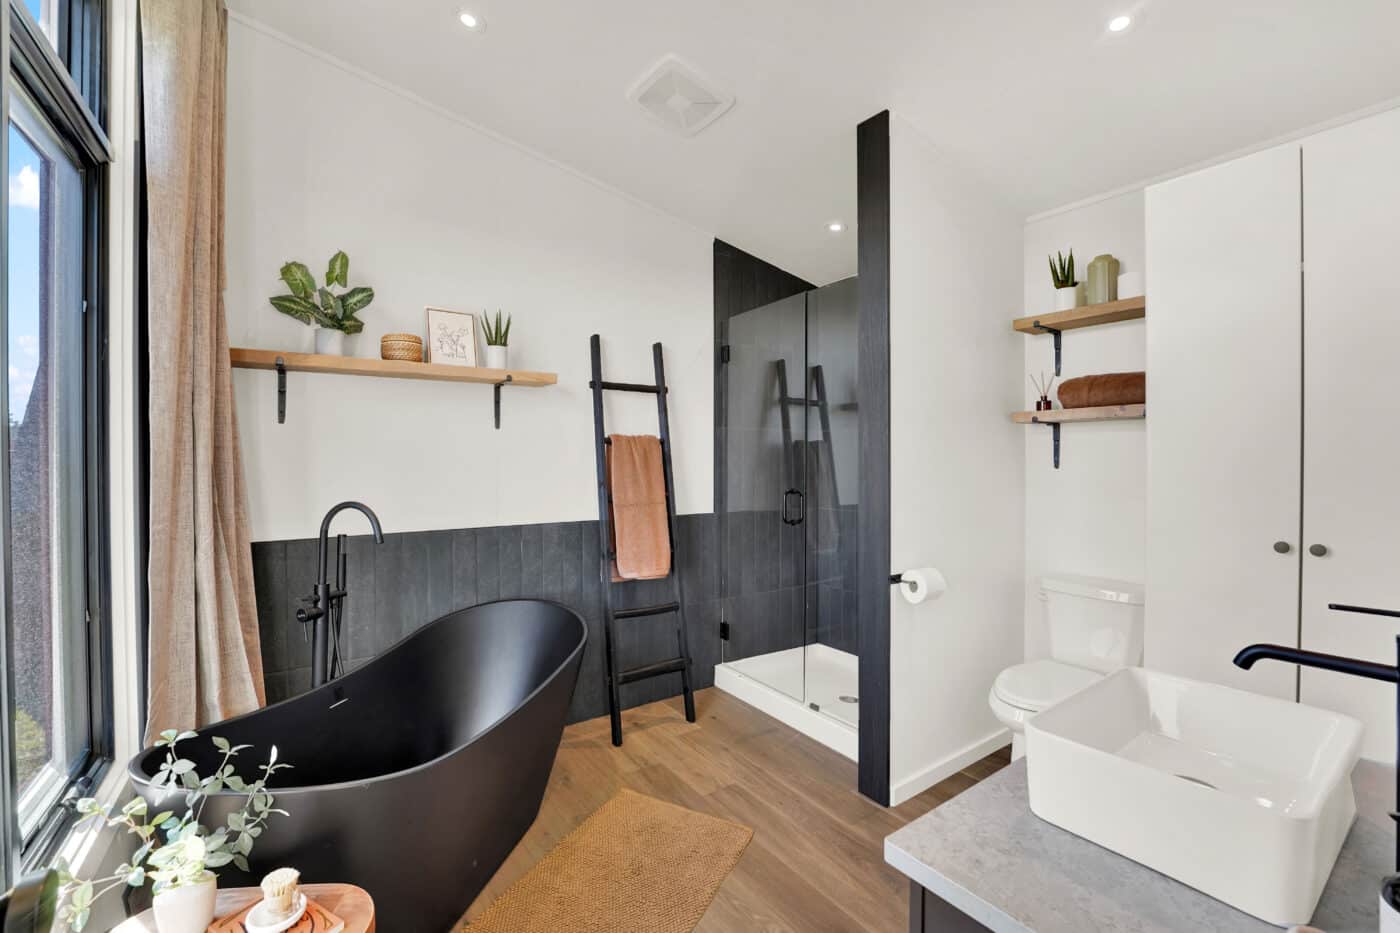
(637, 482)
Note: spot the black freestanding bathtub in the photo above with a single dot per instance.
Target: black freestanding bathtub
(415, 775)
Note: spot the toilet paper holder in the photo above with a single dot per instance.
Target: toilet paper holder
(919, 584)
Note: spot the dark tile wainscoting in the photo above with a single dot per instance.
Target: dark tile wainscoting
(416, 577)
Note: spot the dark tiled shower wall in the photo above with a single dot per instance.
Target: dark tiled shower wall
(766, 608)
(415, 577)
(832, 570)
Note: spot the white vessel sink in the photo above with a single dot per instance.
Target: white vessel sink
(1243, 797)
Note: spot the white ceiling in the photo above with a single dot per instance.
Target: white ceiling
(1033, 96)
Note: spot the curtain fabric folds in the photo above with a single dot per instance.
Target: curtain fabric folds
(205, 663)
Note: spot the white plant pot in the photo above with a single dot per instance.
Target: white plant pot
(330, 342)
(1067, 298)
(186, 909)
(497, 357)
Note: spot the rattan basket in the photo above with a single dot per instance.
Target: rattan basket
(401, 347)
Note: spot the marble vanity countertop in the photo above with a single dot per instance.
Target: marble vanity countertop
(985, 853)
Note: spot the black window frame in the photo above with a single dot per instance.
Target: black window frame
(65, 77)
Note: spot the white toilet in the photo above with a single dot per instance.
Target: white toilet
(1095, 628)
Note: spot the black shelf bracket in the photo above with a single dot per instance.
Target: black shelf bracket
(496, 388)
(281, 391)
(1055, 332)
(1054, 427)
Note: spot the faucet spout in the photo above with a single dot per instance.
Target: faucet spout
(1316, 659)
(326, 528)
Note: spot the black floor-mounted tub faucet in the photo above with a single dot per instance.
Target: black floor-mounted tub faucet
(324, 612)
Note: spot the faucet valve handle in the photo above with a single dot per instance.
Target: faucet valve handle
(309, 612)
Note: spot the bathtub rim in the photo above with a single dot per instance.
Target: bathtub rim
(140, 780)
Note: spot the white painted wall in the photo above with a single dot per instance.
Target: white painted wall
(1089, 516)
(957, 462)
(435, 211)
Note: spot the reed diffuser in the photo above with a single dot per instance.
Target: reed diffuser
(1043, 387)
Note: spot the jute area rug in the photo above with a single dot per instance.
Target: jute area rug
(637, 864)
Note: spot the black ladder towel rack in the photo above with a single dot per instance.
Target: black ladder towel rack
(680, 664)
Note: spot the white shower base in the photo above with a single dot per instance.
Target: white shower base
(774, 684)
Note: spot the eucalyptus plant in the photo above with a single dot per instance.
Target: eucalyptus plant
(318, 305)
(176, 851)
(1062, 271)
(497, 336)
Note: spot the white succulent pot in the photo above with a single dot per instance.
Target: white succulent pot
(330, 342)
(497, 357)
(188, 908)
(1067, 298)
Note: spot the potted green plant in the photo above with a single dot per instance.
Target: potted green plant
(497, 339)
(333, 315)
(177, 854)
(1066, 285)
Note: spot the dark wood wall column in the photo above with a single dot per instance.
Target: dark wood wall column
(873, 589)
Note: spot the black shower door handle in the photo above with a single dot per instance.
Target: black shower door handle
(793, 516)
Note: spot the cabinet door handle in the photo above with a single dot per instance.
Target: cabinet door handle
(1282, 547)
(1318, 550)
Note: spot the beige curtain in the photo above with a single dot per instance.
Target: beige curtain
(205, 664)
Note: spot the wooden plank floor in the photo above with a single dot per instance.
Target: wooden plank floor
(816, 862)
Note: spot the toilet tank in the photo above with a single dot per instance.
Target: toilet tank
(1093, 622)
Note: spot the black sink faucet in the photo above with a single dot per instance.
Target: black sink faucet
(324, 611)
(1341, 665)
(1323, 662)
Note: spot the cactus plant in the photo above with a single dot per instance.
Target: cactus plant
(1062, 271)
(496, 336)
(320, 306)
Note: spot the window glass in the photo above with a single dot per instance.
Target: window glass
(43, 13)
(47, 611)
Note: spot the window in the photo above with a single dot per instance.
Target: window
(47, 615)
(56, 727)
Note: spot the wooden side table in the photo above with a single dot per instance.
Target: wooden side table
(349, 903)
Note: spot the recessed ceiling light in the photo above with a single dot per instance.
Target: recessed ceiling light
(836, 226)
(1119, 23)
(471, 20)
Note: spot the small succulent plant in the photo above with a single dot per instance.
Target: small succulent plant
(496, 336)
(320, 306)
(1062, 270)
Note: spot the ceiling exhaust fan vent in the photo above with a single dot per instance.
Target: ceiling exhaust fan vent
(675, 94)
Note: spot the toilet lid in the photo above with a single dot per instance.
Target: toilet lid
(1037, 685)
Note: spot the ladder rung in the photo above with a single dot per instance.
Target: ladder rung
(625, 387)
(641, 611)
(673, 666)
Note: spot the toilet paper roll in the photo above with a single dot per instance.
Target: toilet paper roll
(922, 583)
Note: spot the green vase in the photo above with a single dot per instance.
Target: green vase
(1102, 283)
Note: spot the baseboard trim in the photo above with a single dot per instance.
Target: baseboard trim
(926, 777)
(826, 730)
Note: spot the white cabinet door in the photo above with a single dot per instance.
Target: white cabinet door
(1351, 465)
(1224, 376)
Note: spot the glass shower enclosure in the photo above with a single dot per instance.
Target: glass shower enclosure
(789, 442)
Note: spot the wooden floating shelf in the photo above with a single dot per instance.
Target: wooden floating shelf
(283, 362)
(1124, 309)
(244, 358)
(1073, 415)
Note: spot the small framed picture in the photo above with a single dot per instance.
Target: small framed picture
(451, 337)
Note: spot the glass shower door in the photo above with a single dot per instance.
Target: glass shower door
(830, 665)
(764, 553)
